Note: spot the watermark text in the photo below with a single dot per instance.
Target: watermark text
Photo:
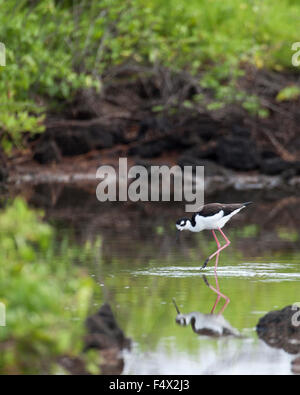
(2, 55)
(296, 56)
(2, 314)
(154, 183)
(296, 315)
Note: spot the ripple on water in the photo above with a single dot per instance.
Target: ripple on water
(252, 270)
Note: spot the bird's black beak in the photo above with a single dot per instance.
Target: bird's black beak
(205, 280)
(176, 307)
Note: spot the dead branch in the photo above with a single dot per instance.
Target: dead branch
(282, 152)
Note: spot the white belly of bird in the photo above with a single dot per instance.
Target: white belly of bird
(216, 221)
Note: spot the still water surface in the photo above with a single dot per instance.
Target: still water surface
(142, 270)
(143, 296)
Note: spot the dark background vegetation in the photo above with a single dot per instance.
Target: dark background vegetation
(203, 80)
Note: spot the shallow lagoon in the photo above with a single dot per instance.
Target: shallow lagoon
(140, 269)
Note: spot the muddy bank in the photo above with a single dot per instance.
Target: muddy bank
(98, 129)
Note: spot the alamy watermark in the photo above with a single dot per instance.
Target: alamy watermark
(153, 183)
(296, 315)
(296, 56)
(2, 314)
(2, 55)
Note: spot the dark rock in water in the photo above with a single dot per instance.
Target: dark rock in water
(80, 139)
(274, 166)
(182, 140)
(237, 153)
(104, 332)
(241, 131)
(281, 329)
(73, 141)
(296, 167)
(267, 154)
(74, 365)
(202, 126)
(101, 137)
(183, 133)
(149, 149)
(158, 124)
(105, 335)
(198, 152)
(46, 152)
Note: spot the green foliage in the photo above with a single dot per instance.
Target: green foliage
(287, 235)
(22, 233)
(47, 299)
(160, 230)
(248, 231)
(288, 93)
(39, 65)
(54, 48)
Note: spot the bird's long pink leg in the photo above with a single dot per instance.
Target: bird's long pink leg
(217, 284)
(219, 248)
(217, 301)
(220, 295)
(223, 234)
(218, 245)
(217, 291)
(224, 246)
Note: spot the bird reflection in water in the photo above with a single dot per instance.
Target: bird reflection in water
(213, 324)
(217, 291)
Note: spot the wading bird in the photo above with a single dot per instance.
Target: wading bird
(212, 324)
(212, 217)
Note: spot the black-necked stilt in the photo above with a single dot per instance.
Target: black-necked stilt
(212, 217)
(213, 325)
